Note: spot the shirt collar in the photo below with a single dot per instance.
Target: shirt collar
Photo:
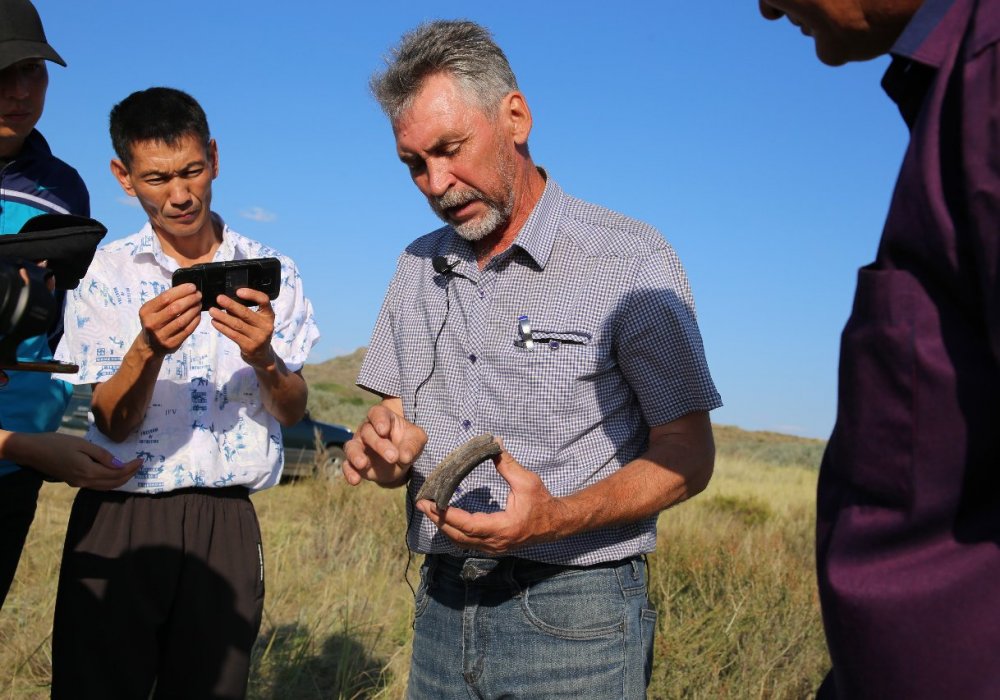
(918, 42)
(149, 247)
(535, 238)
(919, 52)
(538, 234)
(34, 146)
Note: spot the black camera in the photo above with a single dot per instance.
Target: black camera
(27, 306)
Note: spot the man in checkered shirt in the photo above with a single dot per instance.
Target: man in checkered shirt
(563, 328)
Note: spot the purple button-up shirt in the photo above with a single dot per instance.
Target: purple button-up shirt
(909, 498)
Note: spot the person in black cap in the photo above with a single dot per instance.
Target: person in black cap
(33, 182)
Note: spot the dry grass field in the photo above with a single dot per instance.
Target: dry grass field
(732, 578)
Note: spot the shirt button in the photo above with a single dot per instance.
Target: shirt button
(467, 424)
(473, 358)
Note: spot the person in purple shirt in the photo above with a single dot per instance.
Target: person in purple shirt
(908, 508)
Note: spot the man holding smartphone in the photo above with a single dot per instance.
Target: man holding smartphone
(172, 561)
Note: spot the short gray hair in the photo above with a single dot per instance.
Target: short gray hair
(462, 49)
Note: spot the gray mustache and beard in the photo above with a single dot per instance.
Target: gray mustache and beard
(498, 208)
(497, 212)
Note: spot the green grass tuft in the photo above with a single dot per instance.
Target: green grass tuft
(746, 509)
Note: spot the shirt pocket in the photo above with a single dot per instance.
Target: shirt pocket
(873, 446)
(549, 376)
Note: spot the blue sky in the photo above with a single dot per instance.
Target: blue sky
(768, 172)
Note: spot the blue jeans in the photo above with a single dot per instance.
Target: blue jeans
(512, 628)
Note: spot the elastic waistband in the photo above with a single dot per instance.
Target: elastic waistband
(241, 492)
(220, 492)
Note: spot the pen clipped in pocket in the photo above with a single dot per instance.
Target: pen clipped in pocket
(554, 340)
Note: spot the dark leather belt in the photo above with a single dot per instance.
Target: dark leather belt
(484, 568)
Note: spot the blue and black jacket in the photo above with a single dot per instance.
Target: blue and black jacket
(36, 182)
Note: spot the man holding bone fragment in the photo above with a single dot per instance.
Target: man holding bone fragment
(568, 331)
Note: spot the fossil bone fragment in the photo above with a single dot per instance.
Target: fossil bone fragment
(442, 482)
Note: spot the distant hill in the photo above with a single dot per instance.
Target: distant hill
(763, 446)
(341, 370)
(333, 397)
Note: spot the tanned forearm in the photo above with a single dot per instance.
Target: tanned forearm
(20, 447)
(119, 404)
(284, 393)
(677, 465)
(167, 320)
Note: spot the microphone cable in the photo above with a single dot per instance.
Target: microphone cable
(441, 266)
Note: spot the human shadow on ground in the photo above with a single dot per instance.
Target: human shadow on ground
(341, 669)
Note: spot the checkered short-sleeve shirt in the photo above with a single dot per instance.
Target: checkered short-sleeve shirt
(615, 348)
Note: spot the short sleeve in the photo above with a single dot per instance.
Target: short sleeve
(659, 346)
(98, 327)
(295, 330)
(380, 369)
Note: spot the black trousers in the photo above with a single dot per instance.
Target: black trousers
(18, 498)
(162, 591)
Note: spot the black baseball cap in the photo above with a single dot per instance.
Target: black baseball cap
(22, 35)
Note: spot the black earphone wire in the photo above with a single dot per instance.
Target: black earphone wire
(410, 505)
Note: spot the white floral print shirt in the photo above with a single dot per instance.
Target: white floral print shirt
(205, 425)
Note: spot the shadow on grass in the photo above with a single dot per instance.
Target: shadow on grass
(285, 668)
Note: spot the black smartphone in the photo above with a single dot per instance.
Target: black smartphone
(213, 279)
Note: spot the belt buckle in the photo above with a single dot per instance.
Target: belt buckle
(474, 568)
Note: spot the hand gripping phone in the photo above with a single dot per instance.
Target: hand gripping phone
(213, 279)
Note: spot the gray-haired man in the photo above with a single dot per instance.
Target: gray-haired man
(564, 328)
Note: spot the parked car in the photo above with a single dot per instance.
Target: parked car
(76, 417)
(302, 459)
(302, 439)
